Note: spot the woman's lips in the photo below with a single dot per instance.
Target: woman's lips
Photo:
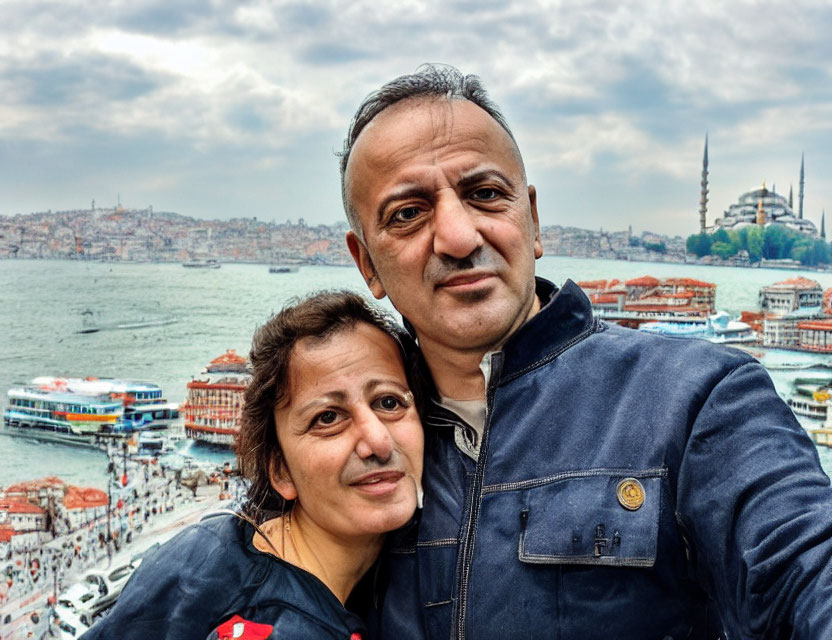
(379, 483)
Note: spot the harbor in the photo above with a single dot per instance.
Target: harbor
(154, 407)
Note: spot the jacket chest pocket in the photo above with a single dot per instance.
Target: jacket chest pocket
(595, 518)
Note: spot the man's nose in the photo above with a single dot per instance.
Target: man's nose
(455, 232)
(374, 437)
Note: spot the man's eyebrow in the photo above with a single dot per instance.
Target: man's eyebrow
(402, 193)
(479, 175)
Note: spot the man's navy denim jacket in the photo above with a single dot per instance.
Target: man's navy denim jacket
(629, 486)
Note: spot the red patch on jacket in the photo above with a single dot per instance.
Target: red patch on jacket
(239, 629)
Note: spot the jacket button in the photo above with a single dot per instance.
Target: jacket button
(630, 494)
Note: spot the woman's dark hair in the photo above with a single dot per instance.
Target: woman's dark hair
(317, 316)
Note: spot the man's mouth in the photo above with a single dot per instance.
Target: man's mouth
(464, 280)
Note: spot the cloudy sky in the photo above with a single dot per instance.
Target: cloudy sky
(220, 109)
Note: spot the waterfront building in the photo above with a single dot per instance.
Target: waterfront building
(648, 298)
(215, 400)
(815, 335)
(790, 295)
(781, 329)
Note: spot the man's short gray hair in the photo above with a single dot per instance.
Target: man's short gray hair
(429, 81)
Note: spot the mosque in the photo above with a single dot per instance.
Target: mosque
(761, 207)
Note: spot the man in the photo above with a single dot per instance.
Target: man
(581, 480)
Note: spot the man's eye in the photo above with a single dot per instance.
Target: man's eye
(486, 193)
(406, 214)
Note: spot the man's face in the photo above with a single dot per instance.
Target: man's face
(450, 226)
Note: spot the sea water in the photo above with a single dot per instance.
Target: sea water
(41, 306)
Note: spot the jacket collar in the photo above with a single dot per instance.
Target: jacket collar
(564, 318)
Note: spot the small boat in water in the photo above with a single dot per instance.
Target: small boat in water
(210, 263)
(90, 325)
(276, 268)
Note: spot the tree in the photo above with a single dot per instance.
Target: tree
(754, 243)
(699, 244)
(722, 249)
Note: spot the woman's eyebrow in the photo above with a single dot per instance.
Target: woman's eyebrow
(327, 398)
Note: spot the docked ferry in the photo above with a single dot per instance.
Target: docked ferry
(215, 400)
(86, 411)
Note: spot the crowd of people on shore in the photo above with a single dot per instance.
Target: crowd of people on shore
(33, 575)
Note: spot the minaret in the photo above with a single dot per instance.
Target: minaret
(761, 214)
(800, 193)
(791, 200)
(823, 225)
(703, 198)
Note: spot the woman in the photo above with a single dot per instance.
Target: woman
(332, 445)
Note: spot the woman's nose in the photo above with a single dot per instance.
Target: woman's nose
(374, 438)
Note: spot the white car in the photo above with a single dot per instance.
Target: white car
(97, 590)
(67, 624)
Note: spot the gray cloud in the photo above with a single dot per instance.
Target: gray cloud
(610, 101)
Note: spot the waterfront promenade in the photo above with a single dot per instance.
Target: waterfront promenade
(38, 575)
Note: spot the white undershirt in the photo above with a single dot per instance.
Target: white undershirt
(473, 413)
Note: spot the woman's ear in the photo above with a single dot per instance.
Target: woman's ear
(281, 480)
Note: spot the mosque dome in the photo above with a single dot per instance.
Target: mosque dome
(763, 206)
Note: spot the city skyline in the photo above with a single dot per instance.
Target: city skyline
(224, 110)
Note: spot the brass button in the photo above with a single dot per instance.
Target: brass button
(630, 494)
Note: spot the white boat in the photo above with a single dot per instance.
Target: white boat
(718, 328)
(210, 263)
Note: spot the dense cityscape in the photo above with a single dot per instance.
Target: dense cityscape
(145, 235)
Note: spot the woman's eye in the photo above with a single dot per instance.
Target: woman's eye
(389, 403)
(326, 418)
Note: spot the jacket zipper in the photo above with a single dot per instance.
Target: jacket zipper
(467, 548)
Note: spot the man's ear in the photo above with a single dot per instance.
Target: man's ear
(365, 265)
(538, 245)
(281, 481)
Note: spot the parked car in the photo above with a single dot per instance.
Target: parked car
(97, 590)
(67, 624)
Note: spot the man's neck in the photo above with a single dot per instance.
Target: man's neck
(457, 373)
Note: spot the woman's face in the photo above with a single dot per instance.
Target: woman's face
(351, 439)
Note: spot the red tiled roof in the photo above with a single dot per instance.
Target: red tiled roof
(6, 533)
(816, 325)
(644, 281)
(796, 283)
(689, 282)
(15, 506)
(603, 298)
(35, 485)
(84, 498)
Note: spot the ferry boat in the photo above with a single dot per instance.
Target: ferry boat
(718, 328)
(85, 412)
(810, 397)
(278, 268)
(215, 400)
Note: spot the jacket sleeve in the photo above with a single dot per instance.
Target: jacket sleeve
(756, 507)
(182, 591)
